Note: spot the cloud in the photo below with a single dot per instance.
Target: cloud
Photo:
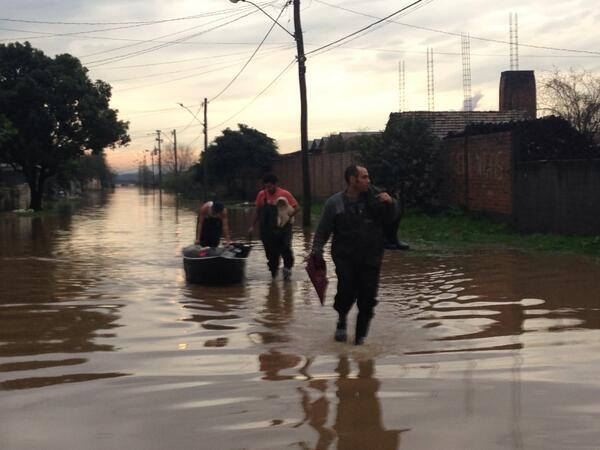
(355, 84)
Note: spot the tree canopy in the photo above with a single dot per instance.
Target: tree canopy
(574, 96)
(57, 113)
(404, 160)
(239, 155)
(6, 129)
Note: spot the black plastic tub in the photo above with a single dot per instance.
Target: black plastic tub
(215, 265)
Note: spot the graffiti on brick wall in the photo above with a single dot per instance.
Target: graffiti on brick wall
(490, 166)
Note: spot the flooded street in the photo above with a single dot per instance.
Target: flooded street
(103, 345)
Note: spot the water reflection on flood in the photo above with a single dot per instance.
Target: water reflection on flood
(478, 348)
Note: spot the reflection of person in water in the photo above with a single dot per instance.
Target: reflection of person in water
(276, 313)
(316, 414)
(275, 316)
(273, 361)
(358, 423)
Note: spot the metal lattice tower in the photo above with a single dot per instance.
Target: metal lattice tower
(401, 87)
(466, 72)
(513, 20)
(430, 84)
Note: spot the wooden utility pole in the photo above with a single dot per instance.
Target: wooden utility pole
(159, 140)
(205, 162)
(306, 200)
(152, 156)
(174, 132)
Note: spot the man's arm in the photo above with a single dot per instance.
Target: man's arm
(254, 219)
(199, 221)
(226, 227)
(325, 227)
(258, 203)
(391, 207)
(295, 210)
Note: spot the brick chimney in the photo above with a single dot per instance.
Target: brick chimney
(517, 91)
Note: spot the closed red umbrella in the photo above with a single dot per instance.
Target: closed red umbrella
(317, 272)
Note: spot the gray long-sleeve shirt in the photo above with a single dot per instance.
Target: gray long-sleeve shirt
(334, 206)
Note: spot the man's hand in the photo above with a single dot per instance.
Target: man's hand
(384, 197)
(251, 229)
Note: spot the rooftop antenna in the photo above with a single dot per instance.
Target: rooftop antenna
(466, 72)
(430, 84)
(513, 19)
(401, 87)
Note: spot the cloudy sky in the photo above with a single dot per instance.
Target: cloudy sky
(157, 54)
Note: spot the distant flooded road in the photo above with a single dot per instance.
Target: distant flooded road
(103, 345)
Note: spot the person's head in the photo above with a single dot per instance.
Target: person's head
(357, 178)
(217, 207)
(270, 182)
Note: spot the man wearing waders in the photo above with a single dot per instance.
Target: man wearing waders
(211, 224)
(356, 218)
(276, 238)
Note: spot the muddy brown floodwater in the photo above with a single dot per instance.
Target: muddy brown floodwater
(103, 345)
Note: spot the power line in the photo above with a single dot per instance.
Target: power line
(364, 28)
(161, 46)
(189, 125)
(450, 33)
(42, 35)
(176, 61)
(258, 95)
(137, 43)
(251, 56)
(220, 64)
(375, 28)
(139, 22)
(182, 77)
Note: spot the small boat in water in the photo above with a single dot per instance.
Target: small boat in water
(215, 265)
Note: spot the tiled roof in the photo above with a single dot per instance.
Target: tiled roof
(444, 122)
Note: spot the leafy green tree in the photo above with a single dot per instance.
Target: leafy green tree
(239, 156)
(404, 160)
(6, 129)
(335, 144)
(57, 112)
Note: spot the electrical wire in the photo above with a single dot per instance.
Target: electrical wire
(104, 61)
(450, 33)
(220, 64)
(194, 75)
(251, 56)
(139, 22)
(363, 28)
(375, 28)
(258, 95)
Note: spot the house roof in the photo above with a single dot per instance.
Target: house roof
(444, 122)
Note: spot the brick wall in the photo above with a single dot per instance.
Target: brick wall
(478, 173)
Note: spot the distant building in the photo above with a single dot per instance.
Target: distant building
(444, 122)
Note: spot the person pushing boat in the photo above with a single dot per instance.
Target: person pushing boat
(212, 224)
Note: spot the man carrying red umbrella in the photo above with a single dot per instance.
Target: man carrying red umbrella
(355, 218)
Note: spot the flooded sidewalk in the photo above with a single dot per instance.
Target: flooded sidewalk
(103, 345)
